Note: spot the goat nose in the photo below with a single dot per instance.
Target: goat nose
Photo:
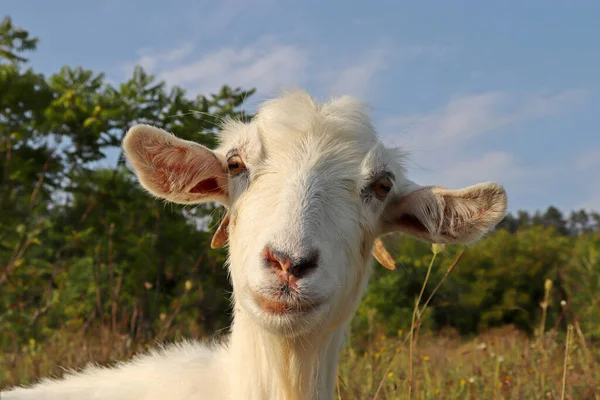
(281, 263)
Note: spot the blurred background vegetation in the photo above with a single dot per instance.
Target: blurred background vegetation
(84, 253)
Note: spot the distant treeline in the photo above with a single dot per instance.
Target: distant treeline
(576, 223)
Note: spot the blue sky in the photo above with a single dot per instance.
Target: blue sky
(506, 91)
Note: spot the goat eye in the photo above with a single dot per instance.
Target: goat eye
(235, 165)
(381, 188)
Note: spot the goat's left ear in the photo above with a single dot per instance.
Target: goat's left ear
(439, 215)
(174, 169)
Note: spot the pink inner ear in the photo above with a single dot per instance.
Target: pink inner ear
(209, 185)
(170, 159)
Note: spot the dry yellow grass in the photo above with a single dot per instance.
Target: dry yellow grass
(498, 364)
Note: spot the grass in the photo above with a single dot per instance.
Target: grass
(501, 363)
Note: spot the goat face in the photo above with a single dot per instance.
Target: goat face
(307, 190)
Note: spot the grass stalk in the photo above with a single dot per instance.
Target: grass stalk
(416, 317)
(566, 363)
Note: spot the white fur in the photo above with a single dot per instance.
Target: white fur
(308, 185)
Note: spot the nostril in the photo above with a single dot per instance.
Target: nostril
(306, 265)
(276, 260)
(282, 263)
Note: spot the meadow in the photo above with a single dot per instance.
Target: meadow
(498, 363)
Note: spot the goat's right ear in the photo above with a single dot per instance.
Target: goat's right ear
(174, 169)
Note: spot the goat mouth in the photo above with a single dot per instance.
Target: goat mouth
(283, 308)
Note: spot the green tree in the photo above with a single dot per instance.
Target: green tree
(80, 244)
(581, 281)
(14, 40)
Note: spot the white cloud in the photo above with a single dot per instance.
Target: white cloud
(466, 117)
(540, 106)
(270, 65)
(355, 79)
(152, 60)
(438, 139)
(360, 74)
(254, 66)
(266, 64)
(490, 166)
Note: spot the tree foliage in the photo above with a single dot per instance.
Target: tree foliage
(80, 244)
(14, 40)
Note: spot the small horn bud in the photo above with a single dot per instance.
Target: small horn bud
(221, 234)
(381, 254)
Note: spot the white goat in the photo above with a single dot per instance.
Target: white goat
(308, 189)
